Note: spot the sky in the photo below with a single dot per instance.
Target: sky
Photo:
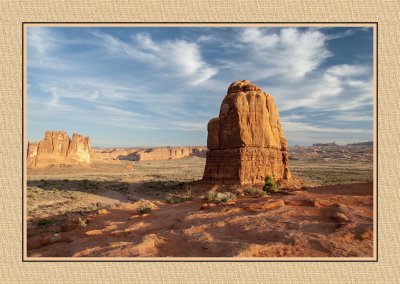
(159, 86)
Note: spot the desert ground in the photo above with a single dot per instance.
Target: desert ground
(121, 208)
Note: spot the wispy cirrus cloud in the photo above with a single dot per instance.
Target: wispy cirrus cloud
(289, 52)
(179, 58)
(150, 83)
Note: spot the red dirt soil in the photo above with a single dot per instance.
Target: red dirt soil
(326, 221)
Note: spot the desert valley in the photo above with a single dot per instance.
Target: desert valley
(244, 194)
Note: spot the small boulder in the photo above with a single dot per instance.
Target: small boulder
(339, 216)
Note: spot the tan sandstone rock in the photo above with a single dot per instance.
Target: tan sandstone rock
(58, 150)
(246, 142)
(114, 154)
(170, 153)
(152, 154)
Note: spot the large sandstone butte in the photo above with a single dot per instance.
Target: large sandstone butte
(58, 150)
(246, 142)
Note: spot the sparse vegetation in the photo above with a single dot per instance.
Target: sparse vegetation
(254, 192)
(91, 207)
(220, 197)
(178, 199)
(270, 185)
(89, 184)
(238, 192)
(143, 209)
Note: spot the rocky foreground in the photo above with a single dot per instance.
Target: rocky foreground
(327, 221)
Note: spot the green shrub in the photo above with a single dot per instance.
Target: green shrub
(219, 197)
(254, 192)
(270, 185)
(143, 209)
(92, 207)
(178, 199)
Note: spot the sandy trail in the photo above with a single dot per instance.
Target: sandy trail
(317, 222)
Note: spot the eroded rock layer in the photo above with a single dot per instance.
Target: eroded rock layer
(170, 153)
(246, 142)
(57, 149)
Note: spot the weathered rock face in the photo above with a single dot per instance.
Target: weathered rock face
(152, 154)
(114, 153)
(246, 142)
(58, 150)
(170, 153)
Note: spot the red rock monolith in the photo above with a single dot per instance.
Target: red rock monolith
(246, 142)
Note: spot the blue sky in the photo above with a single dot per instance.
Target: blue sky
(159, 86)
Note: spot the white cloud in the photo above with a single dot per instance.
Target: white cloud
(289, 52)
(300, 132)
(205, 38)
(178, 58)
(43, 46)
(326, 90)
(352, 117)
(258, 39)
(346, 70)
(287, 63)
(40, 40)
(181, 57)
(302, 127)
(118, 112)
(119, 47)
(69, 91)
(293, 117)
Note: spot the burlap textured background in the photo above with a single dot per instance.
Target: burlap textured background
(14, 12)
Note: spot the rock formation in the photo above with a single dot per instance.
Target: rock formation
(170, 153)
(58, 150)
(151, 154)
(246, 142)
(115, 153)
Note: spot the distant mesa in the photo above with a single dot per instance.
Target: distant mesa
(151, 154)
(114, 153)
(246, 142)
(170, 153)
(57, 149)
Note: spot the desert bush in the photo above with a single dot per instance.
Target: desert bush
(270, 185)
(254, 192)
(178, 199)
(238, 192)
(219, 197)
(143, 209)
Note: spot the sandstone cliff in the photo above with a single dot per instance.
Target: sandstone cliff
(57, 149)
(115, 153)
(246, 142)
(170, 153)
(151, 154)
